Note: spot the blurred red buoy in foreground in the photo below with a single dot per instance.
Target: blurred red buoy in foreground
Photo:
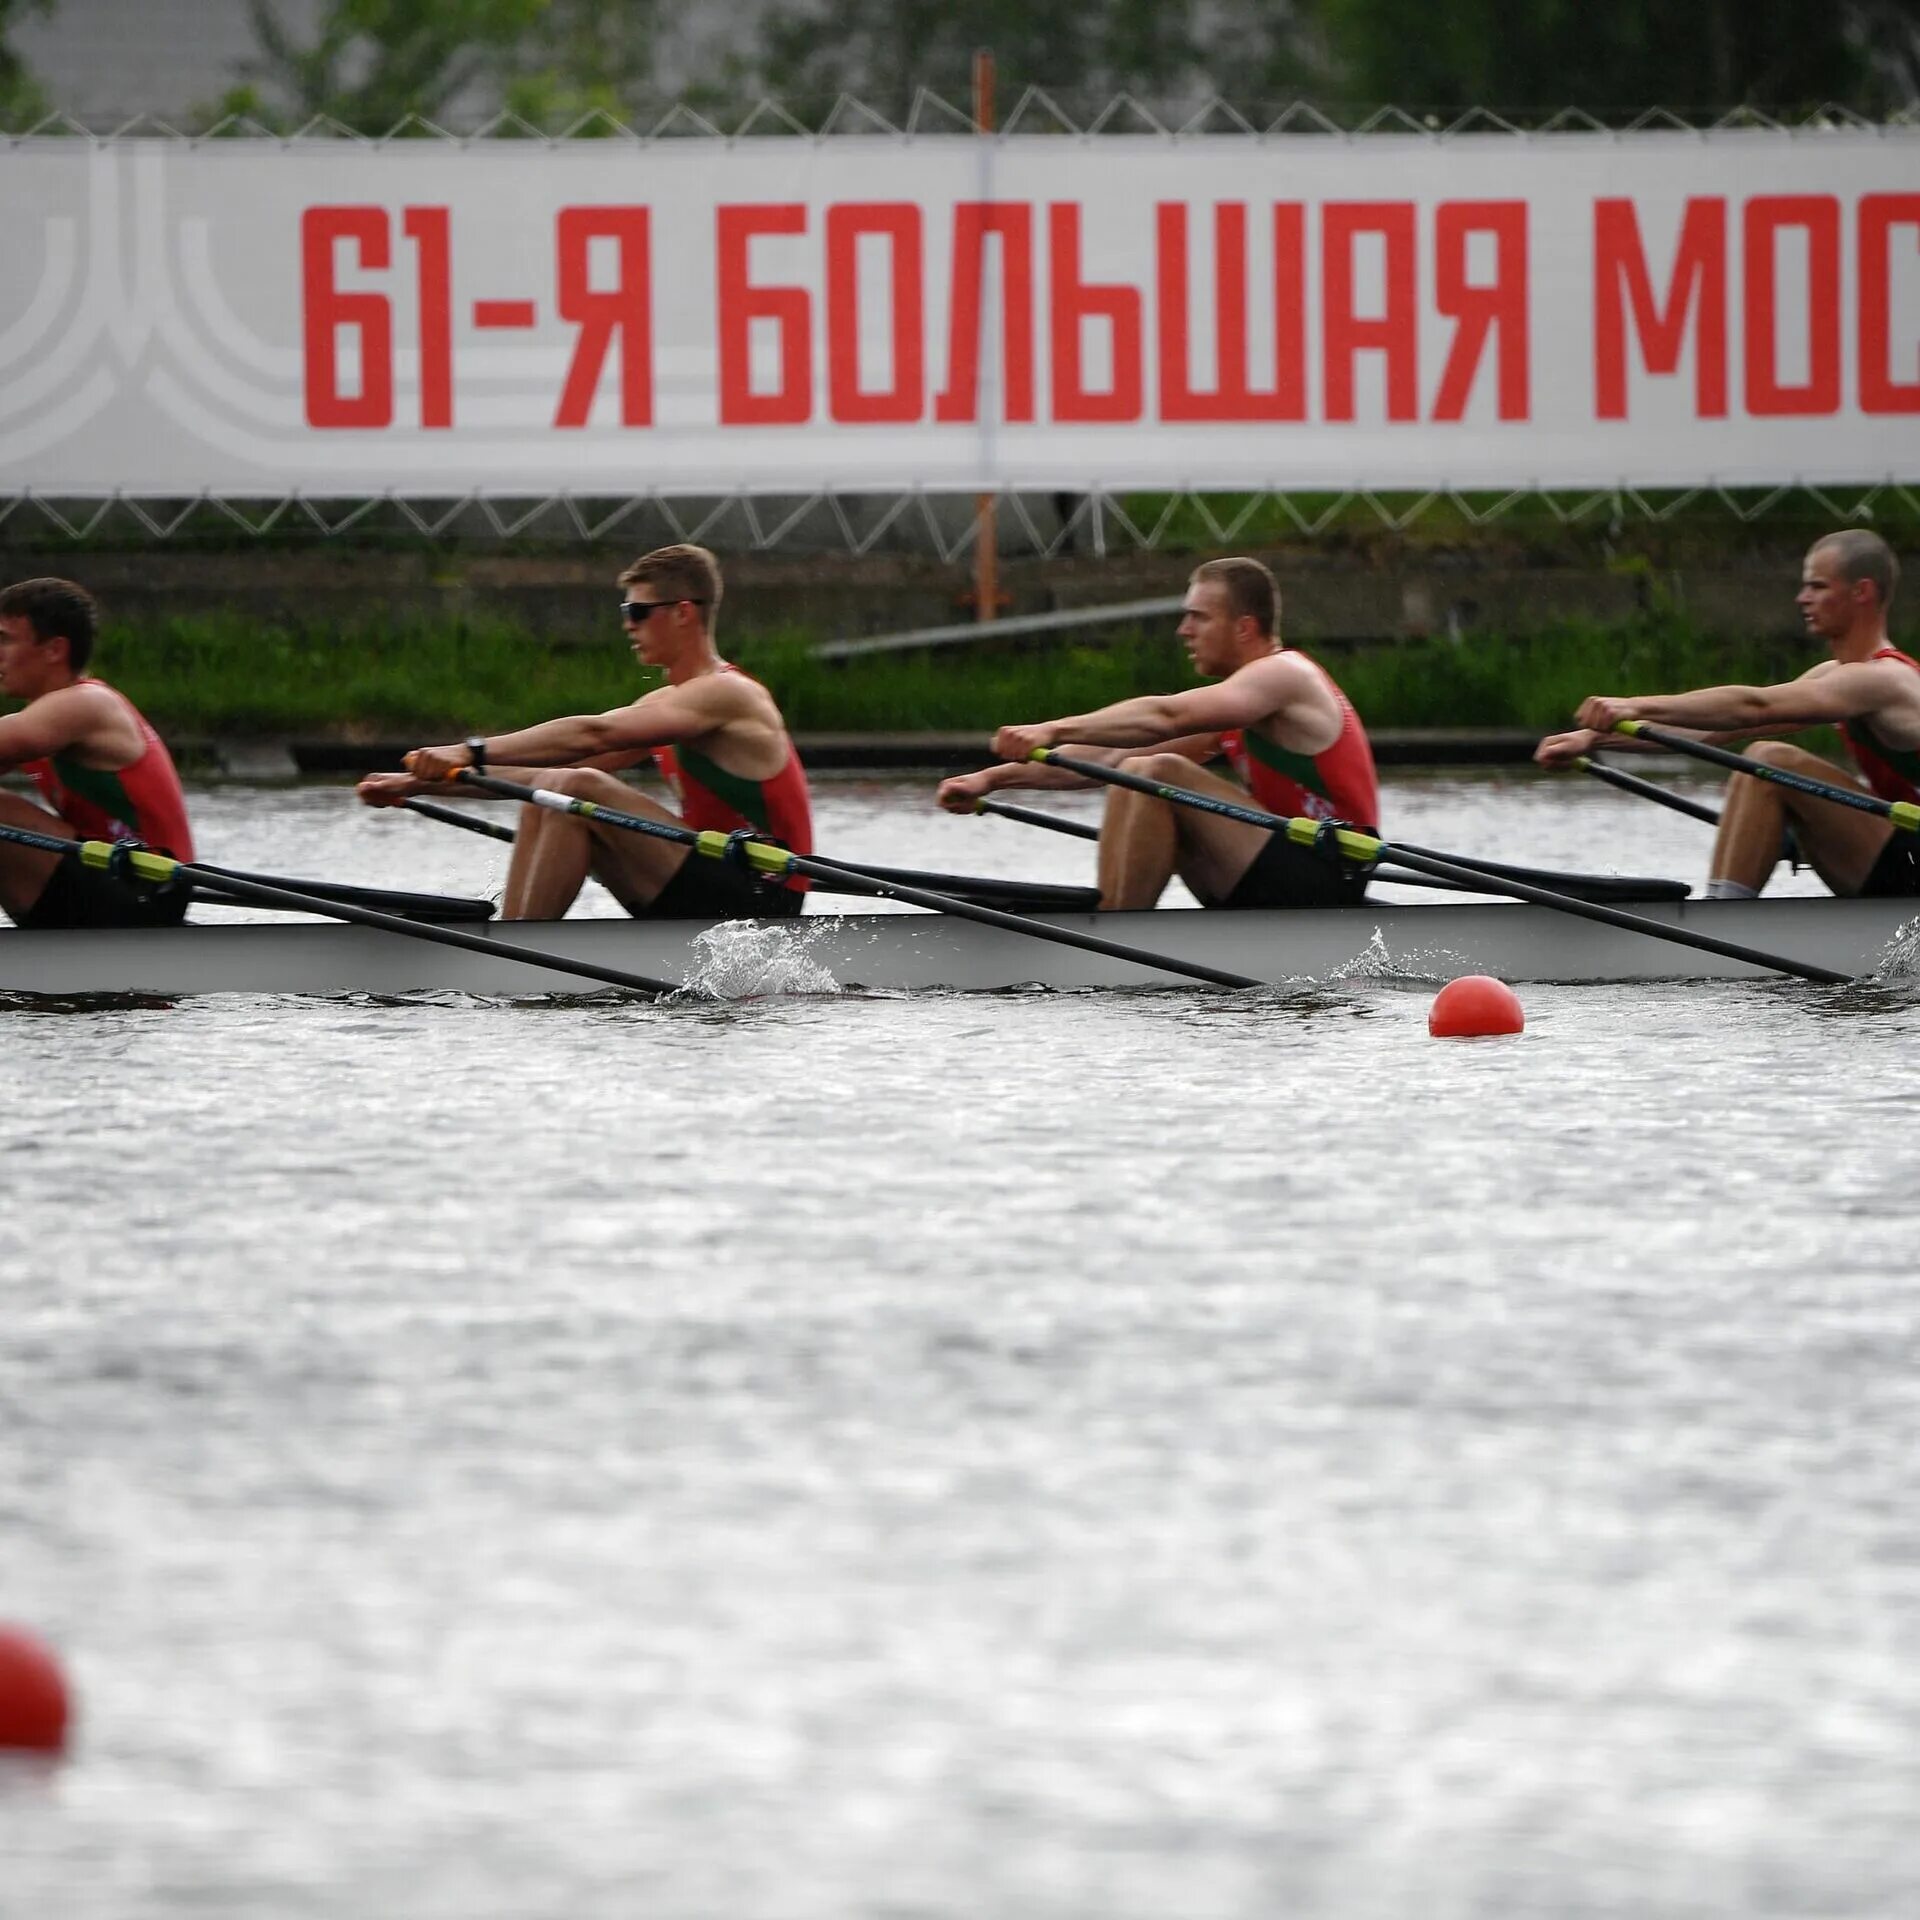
(1474, 1004)
(33, 1694)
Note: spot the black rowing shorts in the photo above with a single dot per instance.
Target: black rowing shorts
(708, 889)
(83, 896)
(1286, 874)
(1896, 874)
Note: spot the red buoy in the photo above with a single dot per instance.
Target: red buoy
(33, 1694)
(1473, 1005)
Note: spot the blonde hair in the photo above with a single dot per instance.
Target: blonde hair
(1249, 586)
(683, 572)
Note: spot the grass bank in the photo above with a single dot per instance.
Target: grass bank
(216, 675)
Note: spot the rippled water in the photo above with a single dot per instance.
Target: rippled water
(1135, 1455)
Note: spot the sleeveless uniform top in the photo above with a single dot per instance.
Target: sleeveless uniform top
(141, 801)
(711, 798)
(1892, 772)
(1337, 784)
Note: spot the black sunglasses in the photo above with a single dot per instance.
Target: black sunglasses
(636, 613)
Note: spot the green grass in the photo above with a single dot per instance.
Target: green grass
(220, 675)
(1486, 680)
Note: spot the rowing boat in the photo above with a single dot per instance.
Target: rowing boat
(915, 951)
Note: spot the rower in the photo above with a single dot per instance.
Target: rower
(101, 769)
(713, 732)
(1277, 717)
(1866, 687)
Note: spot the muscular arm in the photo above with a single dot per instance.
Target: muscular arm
(1726, 716)
(87, 720)
(662, 718)
(1830, 692)
(958, 794)
(612, 740)
(1278, 688)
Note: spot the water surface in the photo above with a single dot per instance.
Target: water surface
(1124, 1455)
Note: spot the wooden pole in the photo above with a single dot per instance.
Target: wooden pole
(986, 542)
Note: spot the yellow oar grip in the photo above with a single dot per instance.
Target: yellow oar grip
(1905, 814)
(1356, 846)
(762, 856)
(148, 866)
(1627, 726)
(1039, 753)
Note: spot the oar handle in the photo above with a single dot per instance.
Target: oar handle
(1903, 813)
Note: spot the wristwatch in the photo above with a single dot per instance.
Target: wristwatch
(477, 752)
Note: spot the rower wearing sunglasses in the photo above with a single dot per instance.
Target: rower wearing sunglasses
(712, 731)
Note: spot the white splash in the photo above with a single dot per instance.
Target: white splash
(744, 959)
(1899, 962)
(1376, 962)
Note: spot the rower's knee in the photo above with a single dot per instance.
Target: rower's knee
(582, 783)
(1774, 753)
(1170, 769)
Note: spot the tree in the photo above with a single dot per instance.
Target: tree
(579, 55)
(1887, 34)
(21, 101)
(373, 62)
(1630, 54)
(882, 50)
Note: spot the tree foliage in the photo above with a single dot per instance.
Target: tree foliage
(21, 101)
(370, 63)
(882, 50)
(579, 55)
(1710, 55)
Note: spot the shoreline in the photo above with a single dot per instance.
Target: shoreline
(272, 758)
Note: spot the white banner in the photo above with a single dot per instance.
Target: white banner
(886, 314)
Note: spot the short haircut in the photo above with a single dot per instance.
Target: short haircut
(1249, 587)
(55, 610)
(685, 572)
(1864, 556)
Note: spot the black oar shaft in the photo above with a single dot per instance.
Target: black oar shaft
(1648, 790)
(1017, 923)
(416, 906)
(764, 857)
(1039, 895)
(420, 930)
(453, 817)
(1366, 847)
(1903, 813)
(1033, 817)
(1615, 917)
